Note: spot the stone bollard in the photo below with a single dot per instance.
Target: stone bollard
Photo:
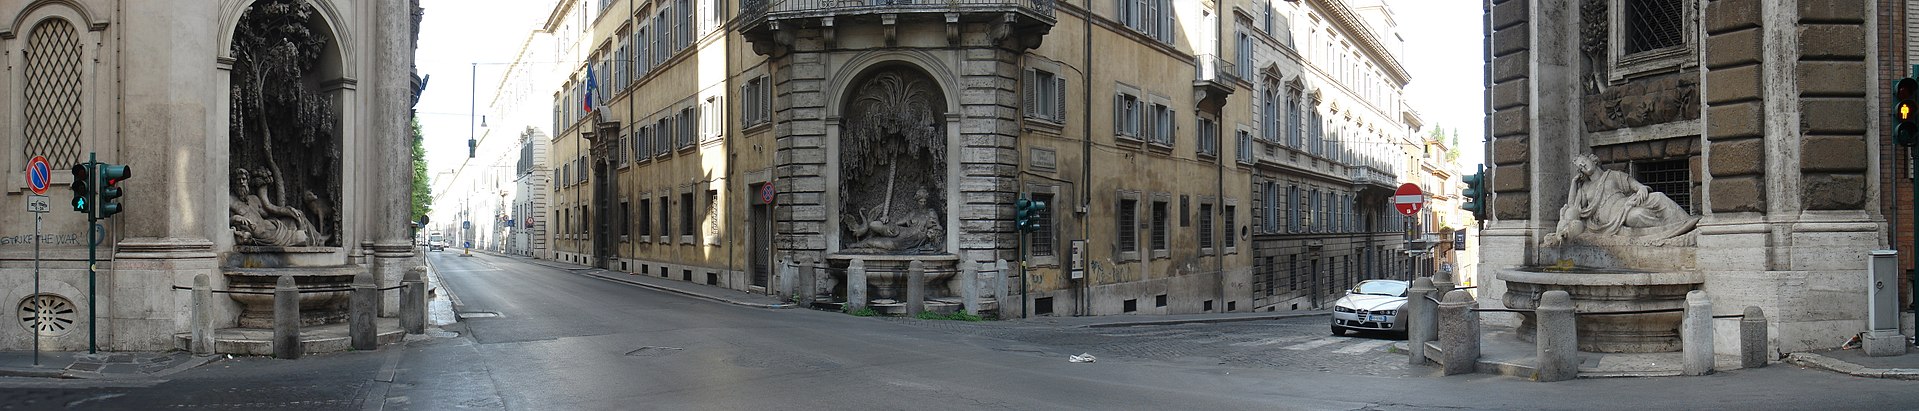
(1421, 323)
(787, 273)
(1557, 337)
(1752, 338)
(855, 285)
(1459, 333)
(286, 319)
(413, 301)
(969, 286)
(1695, 334)
(1002, 295)
(809, 282)
(203, 336)
(361, 310)
(915, 288)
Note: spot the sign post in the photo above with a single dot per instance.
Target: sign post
(39, 176)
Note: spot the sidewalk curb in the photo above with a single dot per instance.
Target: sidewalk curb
(598, 273)
(35, 373)
(192, 362)
(1810, 360)
(1123, 323)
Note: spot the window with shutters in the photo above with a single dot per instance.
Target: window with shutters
(1045, 96)
(663, 137)
(53, 109)
(1244, 56)
(1126, 115)
(1208, 137)
(1160, 126)
(689, 119)
(1269, 117)
(710, 127)
(1154, 18)
(1243, 146)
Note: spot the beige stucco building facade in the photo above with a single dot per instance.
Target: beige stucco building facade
(1205, 156)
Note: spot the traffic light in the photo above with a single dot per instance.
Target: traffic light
(1475, 193)
(1026, 214)
(1905, 131)
(110, 191)
(83, 188)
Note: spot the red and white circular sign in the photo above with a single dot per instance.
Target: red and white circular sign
(1409, 199)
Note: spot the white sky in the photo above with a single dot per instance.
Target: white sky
(1442, 54)
(454, 35)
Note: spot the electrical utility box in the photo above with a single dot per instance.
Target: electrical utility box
(1882, 290)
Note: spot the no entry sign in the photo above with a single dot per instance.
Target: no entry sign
(1408, 199)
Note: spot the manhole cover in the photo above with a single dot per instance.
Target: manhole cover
(479, 314)
(50, 315)
(651, 351)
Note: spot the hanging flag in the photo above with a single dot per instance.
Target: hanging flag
(587, 101)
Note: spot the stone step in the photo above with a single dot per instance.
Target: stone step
(319, 339)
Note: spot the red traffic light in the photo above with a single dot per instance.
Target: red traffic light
(1905, 88)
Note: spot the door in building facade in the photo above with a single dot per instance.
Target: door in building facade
(760, 229)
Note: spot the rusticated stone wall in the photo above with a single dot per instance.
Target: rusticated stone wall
(1735, 102)
(1510, 99)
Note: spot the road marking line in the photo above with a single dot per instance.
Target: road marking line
(1152, 333)
(1362, 348)
(1321, 342)
(1270, 341)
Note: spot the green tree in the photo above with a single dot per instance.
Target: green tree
(422, 195)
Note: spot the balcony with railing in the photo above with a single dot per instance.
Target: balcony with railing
(1368, 177)
(759, 18)
(1213, 80)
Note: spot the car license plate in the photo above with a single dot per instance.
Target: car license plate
(1379, 318)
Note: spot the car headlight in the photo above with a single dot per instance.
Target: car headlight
(1339, 309)
(1387, 312)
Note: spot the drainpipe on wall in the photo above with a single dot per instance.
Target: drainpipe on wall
(1086, 153)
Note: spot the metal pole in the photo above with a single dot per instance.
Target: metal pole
(37, 308)
(93, 245)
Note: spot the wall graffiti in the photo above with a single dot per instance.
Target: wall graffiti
(46, 239)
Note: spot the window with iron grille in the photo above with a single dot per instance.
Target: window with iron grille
(666, 220)
(646, 217)
(1042, 240)
(1231, 224)
(687, 221)
(1652, 24)
(53, 107)
(1671, 177)
(626, 211)
(1159, 226)
(1128, 225)
(1205, 226)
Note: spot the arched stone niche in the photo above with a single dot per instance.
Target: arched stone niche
(285, 139)
(893, 163)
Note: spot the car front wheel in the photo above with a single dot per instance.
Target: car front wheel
(1339, 331)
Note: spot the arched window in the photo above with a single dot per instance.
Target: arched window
(52, 93)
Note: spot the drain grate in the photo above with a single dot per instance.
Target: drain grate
(651, 351)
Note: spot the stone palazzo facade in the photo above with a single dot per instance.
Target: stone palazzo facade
(1761, 120)
(724, 140)
(172, 89)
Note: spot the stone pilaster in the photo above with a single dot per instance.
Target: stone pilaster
(988, 166)
(800, 133)
(390, 109)
(1511, 102)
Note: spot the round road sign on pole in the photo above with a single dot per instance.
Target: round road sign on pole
(39, 175)
(1408, 199)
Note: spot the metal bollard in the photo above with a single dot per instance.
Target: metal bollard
(969, 286)
(413, 301)
(1557, 337)
(915, 288)
(362, 306)
(1752, 338)
(203, 336)
(1695, 334)
(286, 319)
(1420, 321)
(856, 285)
(1459, 333)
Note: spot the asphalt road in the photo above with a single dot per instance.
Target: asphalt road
(536, 337)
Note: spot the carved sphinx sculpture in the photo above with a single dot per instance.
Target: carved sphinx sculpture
(1610, 206)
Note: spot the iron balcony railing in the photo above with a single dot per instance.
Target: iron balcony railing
(1211, 68)
(755, 11)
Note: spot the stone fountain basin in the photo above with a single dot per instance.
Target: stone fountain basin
(1608, 290)
(316, 308)
(886, 274)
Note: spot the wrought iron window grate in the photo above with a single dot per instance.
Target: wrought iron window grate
(1671, 177)
(52, 105)
(1653, 24)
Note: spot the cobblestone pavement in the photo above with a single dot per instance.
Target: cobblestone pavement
(1294, 344)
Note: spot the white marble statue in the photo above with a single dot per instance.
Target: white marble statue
(1608, 205)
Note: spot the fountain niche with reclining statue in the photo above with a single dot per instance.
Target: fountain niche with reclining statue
(1618, 246)
(893, 189)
